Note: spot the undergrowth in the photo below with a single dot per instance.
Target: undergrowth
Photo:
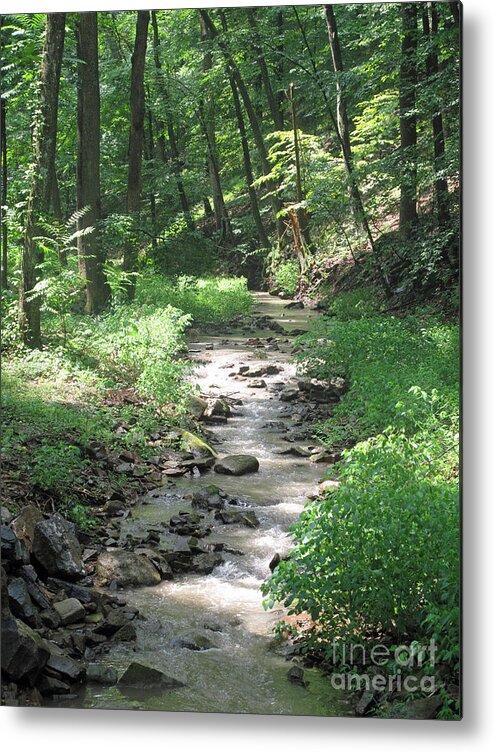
(378, 558)
(56, 400)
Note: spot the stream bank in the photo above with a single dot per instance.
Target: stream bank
(212, 537)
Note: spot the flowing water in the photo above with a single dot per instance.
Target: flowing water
(241, 673)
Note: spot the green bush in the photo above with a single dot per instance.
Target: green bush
(146, 343)
(380, 554)
(381, 551)
(355, 304)
(205, 299)
(390, 363)
(286, 277)
(134, 345)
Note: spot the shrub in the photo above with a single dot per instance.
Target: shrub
(380, 554)
(391, 363)
(205, 299)
(354, 304)
(286, 276)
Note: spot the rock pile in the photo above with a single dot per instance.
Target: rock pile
(54, 622)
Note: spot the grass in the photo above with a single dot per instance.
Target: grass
(379, 557)
(55, 400)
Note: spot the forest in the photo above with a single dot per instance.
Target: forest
(230, 246)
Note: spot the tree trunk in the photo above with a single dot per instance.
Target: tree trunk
(44, 155)
(174, 151)
(343, 132)
(4, 281)
(342, 123)
(55, 203)
(222, 220)
(149, 155)
(234, 71)
(91, 257)
(408, 122)
(455, 11)
(263, 68)
(134, 181)
(299, 216)
(440, 183)
(254, 204)
(279, 64)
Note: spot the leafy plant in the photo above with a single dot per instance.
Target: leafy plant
(381, 553)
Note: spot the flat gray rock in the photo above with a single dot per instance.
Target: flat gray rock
(139, 675)
(237, 464)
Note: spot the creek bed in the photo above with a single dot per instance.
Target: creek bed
(239, 672)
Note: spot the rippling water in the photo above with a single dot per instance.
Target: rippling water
(239, 673)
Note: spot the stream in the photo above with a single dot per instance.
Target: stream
(240, 672)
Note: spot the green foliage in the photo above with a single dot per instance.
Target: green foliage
(146, 342)
(119, 281)
(286, 277)
(355, 304)
(205, 299)
(181, 251)
(380, 554)
(404, 373)
(382, 548)
(9, 316)
(55, 465)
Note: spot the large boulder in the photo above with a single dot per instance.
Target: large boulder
(138, 675)
(245, 517)
(237, 464)
(24, 652)
(126, 569)
(63, 667)
(205, 563)
(56, 549)
(218, 407)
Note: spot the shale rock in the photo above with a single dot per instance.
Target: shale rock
(138, 675)
(56, 549)
(126, 569)
(237, 464)
(70, 611)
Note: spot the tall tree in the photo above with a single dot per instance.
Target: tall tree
(172, 139)
(39, 195)
(91, 257)
(234, 71)
(408, 121)
(273, 103)
(432, 69)
(279, 66)
(136, 141)
(342, 127)
(249, 175)
(299, 215)
(3, 193)
(207, 117)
